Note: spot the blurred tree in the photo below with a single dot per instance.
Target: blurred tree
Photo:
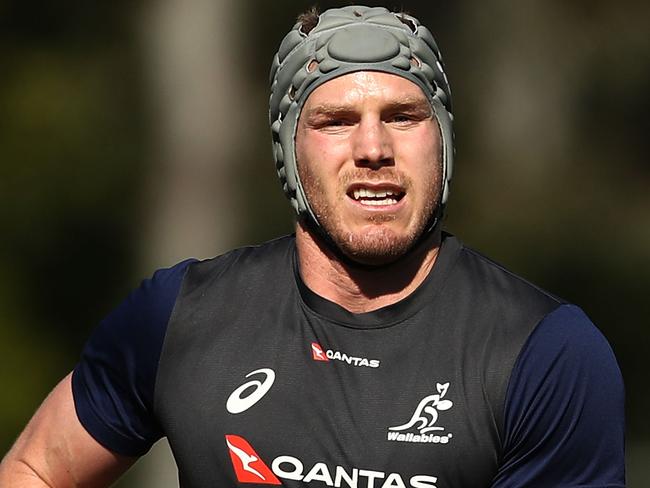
(64, 97)
(197, 98)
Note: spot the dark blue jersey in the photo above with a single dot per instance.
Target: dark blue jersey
(476, 379)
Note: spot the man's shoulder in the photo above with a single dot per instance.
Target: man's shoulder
(245, 262)
(495, 281)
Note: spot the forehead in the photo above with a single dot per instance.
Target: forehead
(366, 87)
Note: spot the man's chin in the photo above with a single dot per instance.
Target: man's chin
(375, 248)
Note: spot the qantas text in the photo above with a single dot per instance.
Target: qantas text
(291, 468)
(354, 360)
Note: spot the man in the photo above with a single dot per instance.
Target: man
(370, 349)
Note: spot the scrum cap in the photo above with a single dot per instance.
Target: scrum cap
(346, 40)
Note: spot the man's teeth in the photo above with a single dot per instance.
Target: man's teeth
(367, 196)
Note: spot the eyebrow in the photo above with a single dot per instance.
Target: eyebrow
(411, 104)
(325, 109)
(417, 104)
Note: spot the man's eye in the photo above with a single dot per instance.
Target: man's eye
(401, 118)
(336, 123)
(333, 124)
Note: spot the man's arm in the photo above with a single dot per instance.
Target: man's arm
(55, 450)
(109, 398)
(564, 419)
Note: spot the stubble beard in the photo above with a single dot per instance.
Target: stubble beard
(380, 244)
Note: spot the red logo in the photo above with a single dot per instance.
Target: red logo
(317, 352)
(249, 468)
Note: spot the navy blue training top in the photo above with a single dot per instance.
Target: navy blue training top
(559, 422)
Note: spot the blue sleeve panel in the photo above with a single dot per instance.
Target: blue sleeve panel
(113, 384)
(564, 414)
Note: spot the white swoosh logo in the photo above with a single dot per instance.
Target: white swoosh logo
(237, 404)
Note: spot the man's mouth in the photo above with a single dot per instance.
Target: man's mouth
(376, 196)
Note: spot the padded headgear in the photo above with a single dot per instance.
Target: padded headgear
(346, 40)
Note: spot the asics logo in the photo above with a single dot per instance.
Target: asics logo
(237, 403)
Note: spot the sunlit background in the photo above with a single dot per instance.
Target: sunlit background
(134, 134)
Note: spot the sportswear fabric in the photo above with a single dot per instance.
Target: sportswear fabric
(477, 378)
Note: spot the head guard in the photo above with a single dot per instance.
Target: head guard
(346, 40)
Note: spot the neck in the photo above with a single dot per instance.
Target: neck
(362, 289)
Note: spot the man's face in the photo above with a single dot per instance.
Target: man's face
(368, 150)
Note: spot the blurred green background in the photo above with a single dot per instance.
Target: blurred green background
(134, 134)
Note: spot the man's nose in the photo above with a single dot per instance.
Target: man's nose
(372, 144)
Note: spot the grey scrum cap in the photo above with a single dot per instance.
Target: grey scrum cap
(346, 40)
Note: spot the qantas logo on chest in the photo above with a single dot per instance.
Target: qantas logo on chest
(249, 468)
(319, 354)
(247, 464)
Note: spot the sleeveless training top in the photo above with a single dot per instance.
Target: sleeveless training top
(477, 378)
